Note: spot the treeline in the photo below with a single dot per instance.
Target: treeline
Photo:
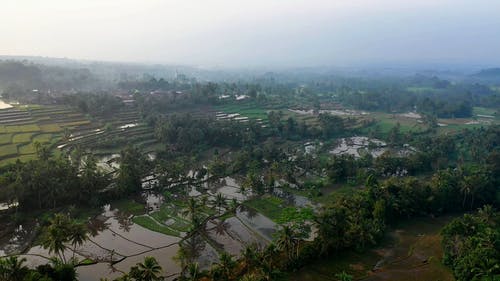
(186, 132)
(18, 79)
(442, 105)
(52, 182)
(95, 104)
(55, 182)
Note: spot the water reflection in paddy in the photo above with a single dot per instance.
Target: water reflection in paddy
(116, 238)
(257, 222)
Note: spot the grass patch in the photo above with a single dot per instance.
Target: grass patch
(22, 138)
(149, 223)
(484, 111)
(27, 149)
(5, 138)
(22, 158)
(50, 128)
(343, 190)
(270, 206)
(244, 110)
(76, 123)
(20, 128)
(165, 213)
(43, 138)
(385, 122)
(128, 206)
(8, 149)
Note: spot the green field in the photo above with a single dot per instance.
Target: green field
(485, 111)
(26, 124)
(270, 206)
(384, 122)
(128, 206)
(22, 138)
(5, 138)
(8, 149)
(151, 224)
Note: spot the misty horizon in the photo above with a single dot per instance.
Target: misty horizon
(250, 34)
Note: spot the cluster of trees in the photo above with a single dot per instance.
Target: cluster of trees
(18, 79)
(59, 233)
(14, 269)
(51, 182)
(187, 133)
(55, 182)
(357, 220)
(471, 245)
(95, 104)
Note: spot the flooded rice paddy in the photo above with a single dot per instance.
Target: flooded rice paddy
(117, 243)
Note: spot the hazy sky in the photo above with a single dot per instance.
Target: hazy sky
(254, 32)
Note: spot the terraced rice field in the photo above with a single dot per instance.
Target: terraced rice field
(63, 128)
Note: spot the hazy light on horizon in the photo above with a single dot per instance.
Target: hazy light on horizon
(252, 33)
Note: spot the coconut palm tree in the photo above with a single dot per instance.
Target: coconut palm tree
(56, 235)
(149, 270)
(78, 235)
(12, 269)
(219, 202)
(287, 240)
(192, 209)
(465, 189)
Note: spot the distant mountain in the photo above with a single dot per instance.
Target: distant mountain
(488, 73)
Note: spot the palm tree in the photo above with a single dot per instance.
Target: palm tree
(78, 235)
(12, 269)
(149, 270)
(57, 235)
(465, 189)
(192, 210)
(287, 240)
(219, 201)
